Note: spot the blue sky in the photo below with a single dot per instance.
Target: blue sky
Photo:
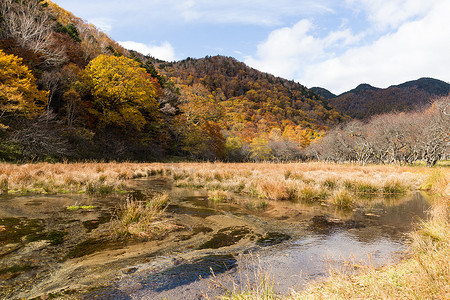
(327, 43)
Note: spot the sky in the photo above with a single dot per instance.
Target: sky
(327, 43)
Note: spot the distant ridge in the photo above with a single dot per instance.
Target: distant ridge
(365, 101)
(323, 92)
(361, 88)
(431, 85)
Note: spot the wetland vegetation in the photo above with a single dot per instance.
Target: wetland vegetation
(59, 217)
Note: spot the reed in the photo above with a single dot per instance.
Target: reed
(343, 199)
(141, 218)
(218, 196)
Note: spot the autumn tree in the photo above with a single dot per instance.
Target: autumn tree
(19, 95)
(235, 148)
(260, 150)
(198, 129)
(123, 94)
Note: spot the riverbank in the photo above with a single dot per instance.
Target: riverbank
(424, 274)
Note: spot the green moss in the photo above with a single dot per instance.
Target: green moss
(77, 207)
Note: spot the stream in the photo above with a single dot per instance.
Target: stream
(60, 245)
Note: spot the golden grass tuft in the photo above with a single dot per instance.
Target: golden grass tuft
(218, 196)
(4, 186)
(271, 189)
(394, 186)
(140, 218)
(343, 199)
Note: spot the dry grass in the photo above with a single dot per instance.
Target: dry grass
(425, 274)
(309, 182)
(255, 282)
(141, 218)
(93, 178)
(343, 199)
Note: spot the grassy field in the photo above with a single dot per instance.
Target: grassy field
(268, 181)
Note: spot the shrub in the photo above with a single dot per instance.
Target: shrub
(4, 186)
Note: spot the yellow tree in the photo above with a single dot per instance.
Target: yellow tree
(198, 127)
(123, 93)
(301, 137)
(19, 94)
(259, 149)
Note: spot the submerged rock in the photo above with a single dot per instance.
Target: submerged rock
(203, 267)
(226, 237)
(324, 225)
(272, 238)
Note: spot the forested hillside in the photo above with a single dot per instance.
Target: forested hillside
(69, 91)
(366, 101)
(258, 114)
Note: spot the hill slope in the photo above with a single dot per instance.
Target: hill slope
(249, 95)
(326, 94)
(201, 108)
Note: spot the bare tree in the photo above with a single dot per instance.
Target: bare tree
(391, 138)
(25, 22)
(42, 136)
(435, 139)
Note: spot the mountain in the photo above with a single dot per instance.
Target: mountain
(251, 96)
(366, 101)
(361, 88)
(430, 85)
(326, 94)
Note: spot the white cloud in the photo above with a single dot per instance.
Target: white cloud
(419, 48)
(257, 12)
(164, 51)
(339, 61)
(390, 14)
(289, 49)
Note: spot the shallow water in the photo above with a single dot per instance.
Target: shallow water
(68, 252)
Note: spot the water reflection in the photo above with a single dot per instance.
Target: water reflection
(298, 242)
